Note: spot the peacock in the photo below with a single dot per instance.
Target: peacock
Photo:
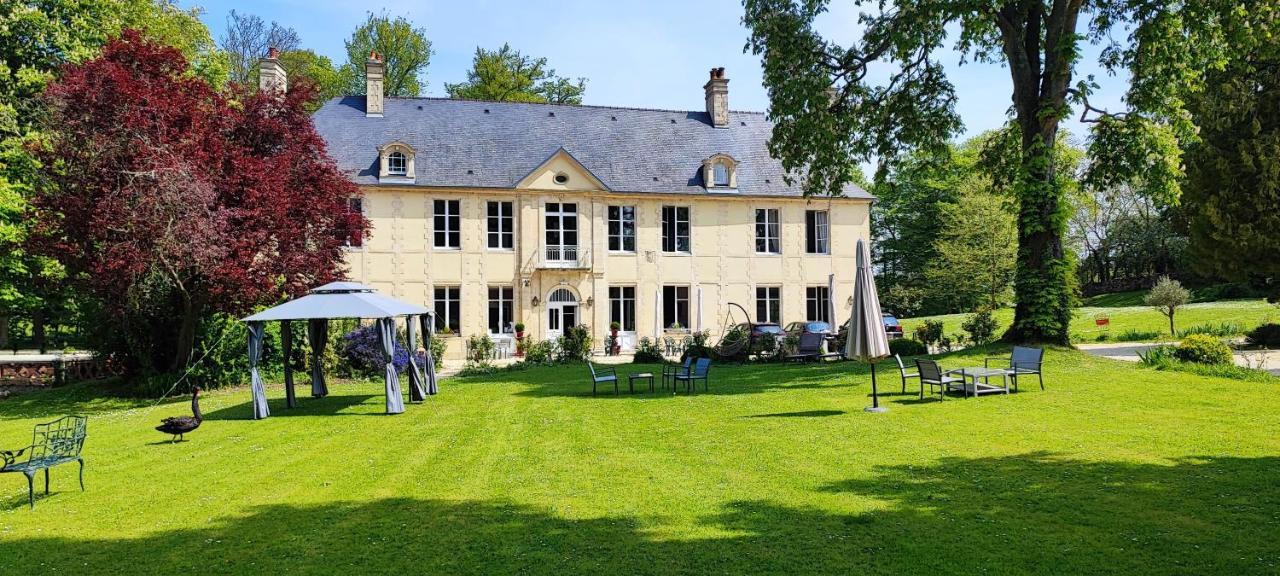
(180, 425)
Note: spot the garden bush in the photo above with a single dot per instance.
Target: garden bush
(363, 352)
(929, 333)
(647, 352)
(438, 348)
(697, 347)
(1132, 335)
(1266, 335)
(907, 347)
(1222, 330)
(540, 351)
(480, 348)
(575, 344)
(1203, 349)
(981, 326)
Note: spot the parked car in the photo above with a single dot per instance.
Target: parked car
(798, 328)
(892, 328)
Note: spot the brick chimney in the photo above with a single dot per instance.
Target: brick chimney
(717, 90)
(373, 70)
(271, 75)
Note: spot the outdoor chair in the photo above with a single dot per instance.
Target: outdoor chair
(52, 443)
(603, 376)
(670, 345)
(699, 372)
(933, 376)
(810, 347)
(902, 371)
(1023, 360)
(669, 371)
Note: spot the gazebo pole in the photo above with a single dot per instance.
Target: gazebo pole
(286, 343)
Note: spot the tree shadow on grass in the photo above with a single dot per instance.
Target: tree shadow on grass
(331, 405)
(1027, 514)
(725, 379)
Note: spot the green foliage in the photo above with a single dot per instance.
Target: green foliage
(1167, 296)
(698, 347)
(1266, 335)
(1135, 335)
(541, 351)
(977, 250)
(480, 348)
(929, 332)
(1203, 349)
(307, 66)
(907, 347)
(574, 345)
(506, 75)
(1166, 358)
(438, 348)
(1220, 329)
(981, 326)
(647, 352)
(404, 49)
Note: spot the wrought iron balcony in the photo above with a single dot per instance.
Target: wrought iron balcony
(565, 257)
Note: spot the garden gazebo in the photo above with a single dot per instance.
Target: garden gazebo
(343, 300)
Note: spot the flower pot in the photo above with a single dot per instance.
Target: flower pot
(617, 348)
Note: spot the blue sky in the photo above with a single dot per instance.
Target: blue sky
(649, 54)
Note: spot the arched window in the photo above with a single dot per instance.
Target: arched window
(397, 164)
(721, 174)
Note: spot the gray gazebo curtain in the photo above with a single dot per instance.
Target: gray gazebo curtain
(416, 393)
(318, 335)
(286, 347)
(428, 329)
(387, 337)
(260, 409)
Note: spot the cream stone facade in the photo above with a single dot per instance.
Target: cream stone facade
(465, 172)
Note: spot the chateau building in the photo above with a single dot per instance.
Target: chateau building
(493, 213)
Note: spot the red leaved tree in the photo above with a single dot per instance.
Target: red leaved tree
(167, 202)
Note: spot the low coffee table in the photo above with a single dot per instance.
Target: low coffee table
(979, 380)
(631, 380)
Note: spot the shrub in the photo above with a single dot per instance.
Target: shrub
(363, 352)
(1167, 296)
(930, 332)
(1164, 358)
(697, 347)
(480, 348)
(647, 352)
(1222, 330)
(1131, 335)
(438, 347)
(1157, 356)
(981, 326)
(907, 347)
(1203, 349)
(1266, 335)
(575, 344)
(540, 351)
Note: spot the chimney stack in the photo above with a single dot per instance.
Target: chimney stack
(373, 70)
(271, 75)
(717, 91)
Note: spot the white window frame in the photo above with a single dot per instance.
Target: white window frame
(506, 239)
(443, 313)
(817, 226)
(620, 222)
(452, 219)
(506, 309)
(618, 303)
(769, 295)
(397, 164)
(769, 232)
(675, 229)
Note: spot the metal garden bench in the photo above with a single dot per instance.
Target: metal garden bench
(52, 443)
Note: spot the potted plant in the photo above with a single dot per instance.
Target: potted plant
(519, 339)
(613, 338)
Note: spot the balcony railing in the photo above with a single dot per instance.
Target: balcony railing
(565, 257)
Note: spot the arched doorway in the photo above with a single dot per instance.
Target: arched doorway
(562, 312)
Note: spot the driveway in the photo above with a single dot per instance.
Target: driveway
(1268, 360)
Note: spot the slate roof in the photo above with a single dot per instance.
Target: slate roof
(467, 143)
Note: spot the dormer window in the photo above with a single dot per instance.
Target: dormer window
(395, 163)
(720, 172)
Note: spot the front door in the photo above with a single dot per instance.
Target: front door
(562, 312)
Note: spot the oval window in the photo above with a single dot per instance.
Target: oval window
(561, 178)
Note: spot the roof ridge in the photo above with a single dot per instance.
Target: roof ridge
(593, 106)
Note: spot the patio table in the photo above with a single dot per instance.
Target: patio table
(979, 379)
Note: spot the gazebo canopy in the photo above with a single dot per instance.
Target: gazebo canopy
(339, 300)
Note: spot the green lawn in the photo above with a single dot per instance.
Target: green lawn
(1243, 314)
(1113, 469)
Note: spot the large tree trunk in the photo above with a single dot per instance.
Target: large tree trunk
(4, 332)
(192, 311)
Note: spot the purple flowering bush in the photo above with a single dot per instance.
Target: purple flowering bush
(363, 353)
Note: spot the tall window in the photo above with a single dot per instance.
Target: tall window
(675, 306)
(448, 220)
(817, 304)
(501, 226)
(622, 228)
(816, 232)
(675, 229)
(449, 308)
(355, 210)
(769, 304)
(500, 309)
(721, 172)
(397, 164)
(767, 230)
(622, 307)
